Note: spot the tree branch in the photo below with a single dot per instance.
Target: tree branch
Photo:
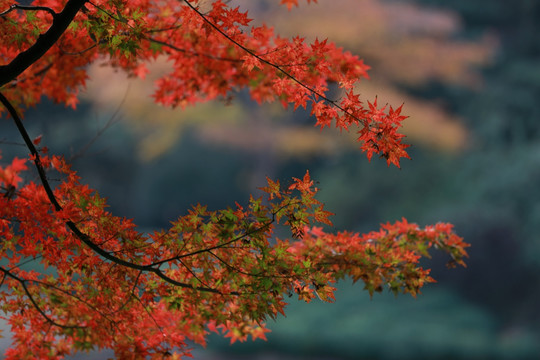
(278, 67)
(34, 303)
(218, 246)
(72, 226)
(29, 8)
(44, 42)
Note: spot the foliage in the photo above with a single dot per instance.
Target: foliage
(106, 285)
(405, 43)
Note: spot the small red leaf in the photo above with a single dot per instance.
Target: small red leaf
(37, 140)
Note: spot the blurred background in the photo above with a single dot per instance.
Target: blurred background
(468, 73)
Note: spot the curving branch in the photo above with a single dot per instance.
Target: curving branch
(152, 268)
(218, 246)
(28, 57)
(43, 43)
(278, 67)
(190, 52)
(29, 8)
(7, 273)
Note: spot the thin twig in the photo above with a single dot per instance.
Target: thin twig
(275, 66)
(112, 120)
(218, 246)
(29, 8)
(34, 303)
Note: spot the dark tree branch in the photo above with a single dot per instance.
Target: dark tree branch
(170, 280)
(190, 52)
(78, 52)
(44, 42)
(28, 57)
(29, 8)
(73, 227)
(212, 57)
(74, 296)
(218, 246)
(33, 301)
(279, 68)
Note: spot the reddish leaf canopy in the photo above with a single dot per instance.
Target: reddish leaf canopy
(106, 285)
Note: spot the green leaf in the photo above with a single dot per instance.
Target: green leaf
(31, 17)
(115, 41)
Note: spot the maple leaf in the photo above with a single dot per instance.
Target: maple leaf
(37, 140)
(290, 3)
(304, 185)
(18, 165)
